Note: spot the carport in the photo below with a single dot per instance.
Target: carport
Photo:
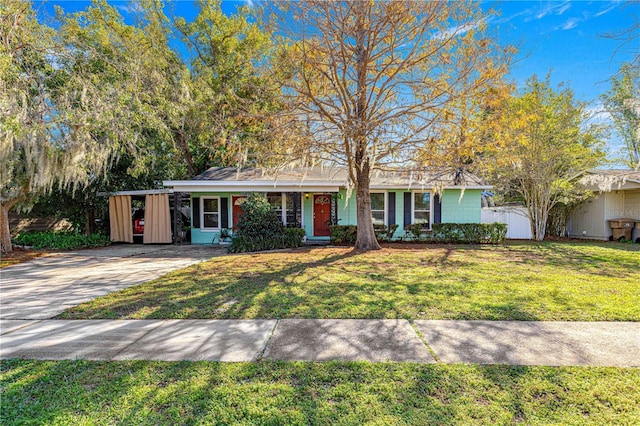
(157, 219)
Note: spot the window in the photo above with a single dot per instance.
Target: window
(275, 199)
(293, 209)
(210, 213)
(422, 207)
(377, 207)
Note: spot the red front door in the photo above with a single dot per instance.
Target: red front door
(236, 210)
(321, 214)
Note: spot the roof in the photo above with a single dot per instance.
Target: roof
(626, 174)
(321, 179)
(613, 179)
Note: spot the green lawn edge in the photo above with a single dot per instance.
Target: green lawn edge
(523, 281)
(300, 393)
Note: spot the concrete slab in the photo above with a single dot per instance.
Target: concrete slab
(532, 343)
(45, 287)
(79, 339)
(601, 343)
(346, 340)
(211, 340)
(7, 326)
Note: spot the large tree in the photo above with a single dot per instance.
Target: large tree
(74, 98)
(372, 80)
(622, 102)
(538, 143)
(227, 104)
(43, 133)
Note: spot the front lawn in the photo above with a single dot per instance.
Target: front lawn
(157, 393)
(518, 281)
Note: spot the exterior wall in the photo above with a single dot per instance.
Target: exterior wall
(587, 221)
(465, 210)
(347, 208)
(198, 236)
(307, 215)
(591, 219)
(632, 203)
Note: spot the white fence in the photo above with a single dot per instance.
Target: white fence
(515, 217)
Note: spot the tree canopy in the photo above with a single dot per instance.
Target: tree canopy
(537, 145)
(373, 81)
(622, 102)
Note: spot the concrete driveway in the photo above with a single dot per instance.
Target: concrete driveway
(45, 287)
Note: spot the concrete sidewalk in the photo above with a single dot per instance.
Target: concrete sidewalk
(472, 342)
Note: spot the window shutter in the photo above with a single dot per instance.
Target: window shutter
(391, 203)
(437, 209)
(407, 208)
(195, 212)
(224, 212)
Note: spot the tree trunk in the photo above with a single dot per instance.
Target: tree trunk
(89, 220)
(184, 147)
(5, 234)
(538, 222)
(366, 237)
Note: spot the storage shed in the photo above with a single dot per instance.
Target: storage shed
(155, 221)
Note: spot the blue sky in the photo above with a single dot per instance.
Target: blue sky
(562, 36)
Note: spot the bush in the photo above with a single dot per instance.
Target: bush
(469, 233)
(466, 233)
(259, 228)
(343, 234)
(416, 231)
(293, 237)
(58, 240)
(384, 233)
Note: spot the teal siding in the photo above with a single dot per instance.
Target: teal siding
(198, 236)
(454, 210)
(347, 212)
(465, 210)
(307, 214)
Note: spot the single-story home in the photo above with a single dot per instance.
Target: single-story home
(314, 198)
(617, 197)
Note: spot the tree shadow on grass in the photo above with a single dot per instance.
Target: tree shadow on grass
(226, 287)
(158, 393)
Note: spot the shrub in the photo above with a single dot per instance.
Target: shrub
(466, 233)
(259, 228)
(385, 233)
(343, 234)
(416, 231)
(60, 240)
(469, 233)
(293, 237)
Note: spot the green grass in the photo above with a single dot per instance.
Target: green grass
(264, 393)
(518, 281)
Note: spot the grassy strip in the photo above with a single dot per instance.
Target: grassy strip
(142, 392)
(520, 281)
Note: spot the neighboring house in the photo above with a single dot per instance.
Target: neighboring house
(317, 197)
(618, 197)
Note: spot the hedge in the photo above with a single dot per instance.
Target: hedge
(469, 233)
(464, 233)
(60, 240)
